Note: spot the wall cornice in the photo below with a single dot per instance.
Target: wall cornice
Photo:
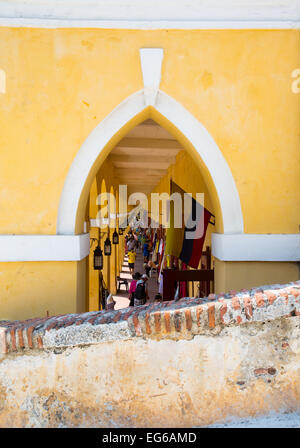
(155, 14)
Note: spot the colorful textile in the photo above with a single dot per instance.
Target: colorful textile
(192, 248)
(132, 286)
(187, 243)
(131, 257)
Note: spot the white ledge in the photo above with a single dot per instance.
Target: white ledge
(256, 247)
(151, 25)
(154, 14)
(44, 247)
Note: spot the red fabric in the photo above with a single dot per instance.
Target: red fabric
(183, 285)
(198, 243)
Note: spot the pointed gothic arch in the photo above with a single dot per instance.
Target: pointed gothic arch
(195, 138)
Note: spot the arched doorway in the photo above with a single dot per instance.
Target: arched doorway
(190, 134)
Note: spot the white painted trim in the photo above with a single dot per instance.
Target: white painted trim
(44, 247)
(238, 247)
(154, 14)
(151, 61)
(190, 127)
(256, 247)
(97, 222)
(151, 25)
(211, 155)
(87, 156)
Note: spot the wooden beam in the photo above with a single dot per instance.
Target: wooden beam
(158, 143)
(139, 181)
(171, 276)
(140, 172)
(138, 161)
(140, 151)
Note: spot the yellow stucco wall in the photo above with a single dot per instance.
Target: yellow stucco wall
(62, 83)
(31, 289)
(236, 275)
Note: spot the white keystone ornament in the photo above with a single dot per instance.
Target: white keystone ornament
(151, 62)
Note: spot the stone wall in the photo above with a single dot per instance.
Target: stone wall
(185, 363)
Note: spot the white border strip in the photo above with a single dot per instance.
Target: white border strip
(233, 247)
(150, 25)
(256, 247)
(154, 14)
(186, 123)
(44, 247)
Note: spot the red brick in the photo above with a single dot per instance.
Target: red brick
(40, 342)
(79, 322)
(13, 340)
(259, 299)
(136, 324)
(126, 315)
(117, 317)
(147, 324)
(223, 311)
(188, 319)
(199, 311)
(167, 318)
(51, 326)
(20, 338)
(235, 303)
(69, 323)
(294, 292)
(260, 371)
(271, 296)
(91, 320)
(29, 336)
(157, 321)
(211, 315)
(283, 293)
(177, 320)
(248, 307)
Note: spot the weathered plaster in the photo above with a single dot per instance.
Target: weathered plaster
(186, 363)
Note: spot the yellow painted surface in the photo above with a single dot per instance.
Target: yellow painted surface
(93, 276)
(33, 288)
(238, 275)
(105, 181)
(62, 83)
(188, 176)
(81, 289)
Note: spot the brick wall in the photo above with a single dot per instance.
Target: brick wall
(169, 320)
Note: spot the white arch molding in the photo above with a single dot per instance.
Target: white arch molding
(233, 245)
(186, 123)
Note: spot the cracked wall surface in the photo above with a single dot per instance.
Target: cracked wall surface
(187, 363)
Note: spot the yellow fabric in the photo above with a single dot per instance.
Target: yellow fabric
(131, 257)
(174, 236)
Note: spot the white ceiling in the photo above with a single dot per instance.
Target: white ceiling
(142, 158)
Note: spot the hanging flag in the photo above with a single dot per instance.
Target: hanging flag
(194, 237)
(174, 235)
(186, 243)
